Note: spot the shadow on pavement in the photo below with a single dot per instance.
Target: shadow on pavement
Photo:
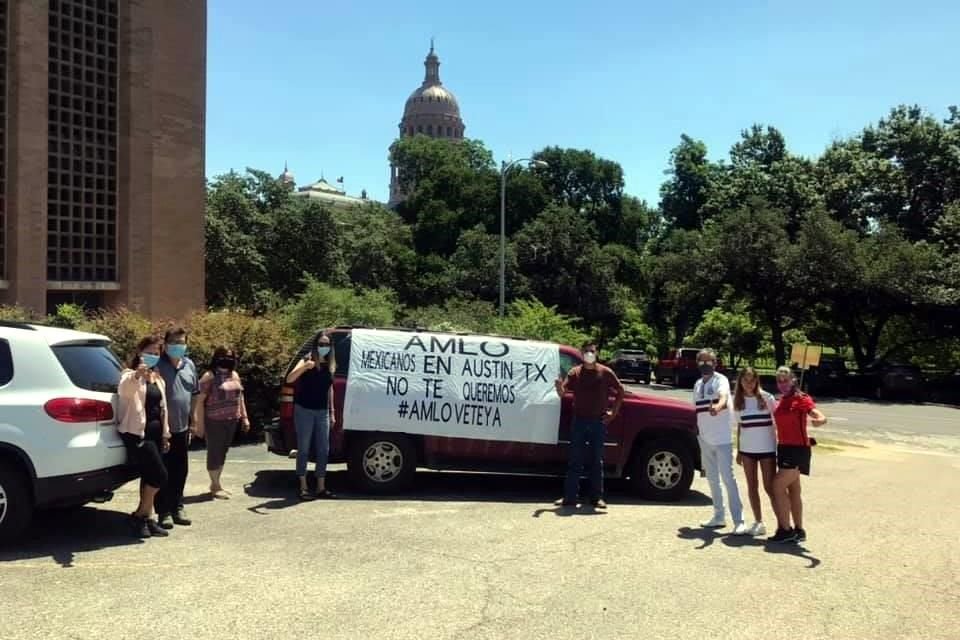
(60, 534)
(709, 536)
(280, 488)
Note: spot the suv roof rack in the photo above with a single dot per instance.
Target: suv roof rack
(18, 324)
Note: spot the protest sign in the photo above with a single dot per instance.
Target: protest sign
(458, 386)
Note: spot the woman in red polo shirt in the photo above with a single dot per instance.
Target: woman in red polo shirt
(793, 455)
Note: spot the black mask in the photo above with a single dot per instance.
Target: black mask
(225, 363)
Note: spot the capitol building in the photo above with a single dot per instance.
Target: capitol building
(431, 110)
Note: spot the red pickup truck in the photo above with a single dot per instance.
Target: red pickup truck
(652, 442)
(679, 366)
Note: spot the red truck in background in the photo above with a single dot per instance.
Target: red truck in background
(679, 367)
(652, 442)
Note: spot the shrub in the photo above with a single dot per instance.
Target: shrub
(68, 316)
(263, 345)
(123, 326)
(321, 306)
(533, 320)
(458, 315)
(16, 313)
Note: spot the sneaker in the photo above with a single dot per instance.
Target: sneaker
(782, 536)
(801, 534)
(155, 529)
(166, 521)
(757, 529)
(563, 502)
(140, 528)
(599, 503)
(180, 518)
(741, 529)
(716, 522)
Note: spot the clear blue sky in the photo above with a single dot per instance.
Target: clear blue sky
(322, 84)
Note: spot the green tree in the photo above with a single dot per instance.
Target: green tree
(377, 248)
(474, 267)
(321, 305)
(683, 197)
(533, 320)
(731, 331)
(302, 240)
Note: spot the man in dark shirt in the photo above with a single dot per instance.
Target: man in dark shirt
(182, 385)
(592, 386)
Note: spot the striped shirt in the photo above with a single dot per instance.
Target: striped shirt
(714, 430)
(223, 394)
(757, 431)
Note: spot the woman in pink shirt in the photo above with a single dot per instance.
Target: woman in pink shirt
(220, 408)
(143, 428)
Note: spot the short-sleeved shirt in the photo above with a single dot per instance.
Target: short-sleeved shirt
(223, 396)
(791, 418)
(715, 430)
(312, 388)
(757, 432)
(182, 385)
(592, 389)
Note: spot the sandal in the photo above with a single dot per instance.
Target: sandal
(306, 495)
(325, 495)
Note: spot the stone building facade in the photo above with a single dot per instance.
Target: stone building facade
(102, 191)
(431, 110)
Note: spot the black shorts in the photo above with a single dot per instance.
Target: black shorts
(759, 456)
(794, 457)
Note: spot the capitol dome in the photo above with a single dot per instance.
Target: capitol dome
(432, 109)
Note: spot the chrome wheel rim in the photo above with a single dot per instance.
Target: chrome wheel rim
(3, 504)
(664, 470)
(382, 461)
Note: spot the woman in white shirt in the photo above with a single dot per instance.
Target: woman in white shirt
(757, 436)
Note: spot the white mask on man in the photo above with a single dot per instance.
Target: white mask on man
(589, 357)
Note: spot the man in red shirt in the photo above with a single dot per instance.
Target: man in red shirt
(592, 386)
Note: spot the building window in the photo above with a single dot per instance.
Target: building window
(449, 132)
(82, 142)
(3, 136)
(419, 128)
(429, 129)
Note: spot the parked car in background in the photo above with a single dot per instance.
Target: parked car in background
(631, 364)
(886, 380)
(652, 442)
(59, 444)
(679, 367)
(830, 378)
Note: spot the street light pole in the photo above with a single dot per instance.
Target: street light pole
(504, 168)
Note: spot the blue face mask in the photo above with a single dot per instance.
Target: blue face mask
(149, 359)
(323, 351)
(176, 350)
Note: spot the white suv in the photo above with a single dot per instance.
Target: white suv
(58, 437)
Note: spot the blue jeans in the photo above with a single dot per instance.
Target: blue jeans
(313, 426)
(586, 440)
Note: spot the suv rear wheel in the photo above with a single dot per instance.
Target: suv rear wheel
(662, 470)
(16, 506)
(382, 462)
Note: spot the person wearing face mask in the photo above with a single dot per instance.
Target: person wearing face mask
(793, 455)
(711, 397)
(220, 406)
(592, 385)
(143, 428)
(314, 413)
(182, 383)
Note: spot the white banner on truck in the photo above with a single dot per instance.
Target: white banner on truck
(477, 387)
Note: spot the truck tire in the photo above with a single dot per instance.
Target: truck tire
(381, 463)
(16, 504)
(662, 470)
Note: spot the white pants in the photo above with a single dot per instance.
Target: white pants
(718, 463)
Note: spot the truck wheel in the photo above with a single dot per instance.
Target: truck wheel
(382, 462)
(662, 470)
(16, 505)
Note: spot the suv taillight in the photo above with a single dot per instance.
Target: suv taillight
(79, 410)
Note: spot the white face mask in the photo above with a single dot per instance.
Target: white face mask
(589, 357)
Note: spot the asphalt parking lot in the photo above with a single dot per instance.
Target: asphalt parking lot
(481, 556)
